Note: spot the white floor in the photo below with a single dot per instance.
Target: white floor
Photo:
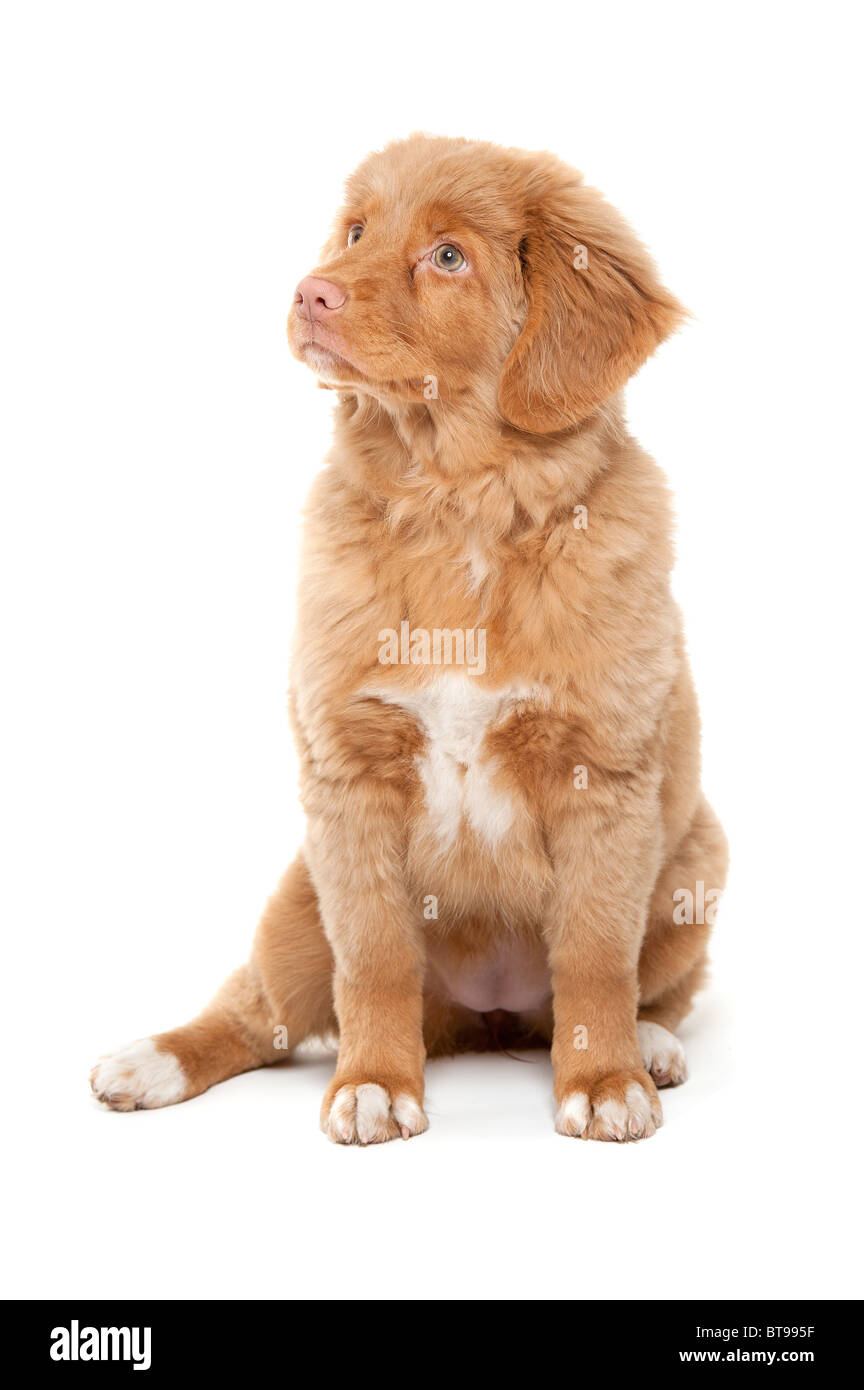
(743, 1193)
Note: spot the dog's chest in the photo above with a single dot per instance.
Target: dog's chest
(461, 782)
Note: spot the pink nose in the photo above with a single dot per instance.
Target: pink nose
(317, 299)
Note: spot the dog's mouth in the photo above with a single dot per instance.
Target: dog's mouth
(327, 354)
(323, 350)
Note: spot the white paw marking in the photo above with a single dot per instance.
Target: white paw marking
(138, 1077)
(372, 1114)
(408, 1116)
(574, 1115)
(365, 1115)
(630, 1118)
(662, 1054)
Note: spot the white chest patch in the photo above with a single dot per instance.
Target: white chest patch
(478, 569)
(454, 714)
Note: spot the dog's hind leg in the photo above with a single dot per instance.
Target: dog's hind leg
(673, 960)
(262, 1012)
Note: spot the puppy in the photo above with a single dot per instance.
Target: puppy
(507, 841)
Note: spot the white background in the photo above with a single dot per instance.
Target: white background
(168, 172)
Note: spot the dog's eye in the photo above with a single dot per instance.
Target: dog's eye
(355, 233)
(448, 258)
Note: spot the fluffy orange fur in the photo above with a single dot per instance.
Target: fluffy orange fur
(494, 856)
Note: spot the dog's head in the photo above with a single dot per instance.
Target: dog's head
(461, 268)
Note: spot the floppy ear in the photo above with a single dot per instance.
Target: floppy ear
(596, 309)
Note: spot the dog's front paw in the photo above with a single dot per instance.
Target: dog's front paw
(138, 1077)
(367, 1113)
(621, 1107)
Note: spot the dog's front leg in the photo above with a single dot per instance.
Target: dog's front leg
(605, 866)
(357, 862)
